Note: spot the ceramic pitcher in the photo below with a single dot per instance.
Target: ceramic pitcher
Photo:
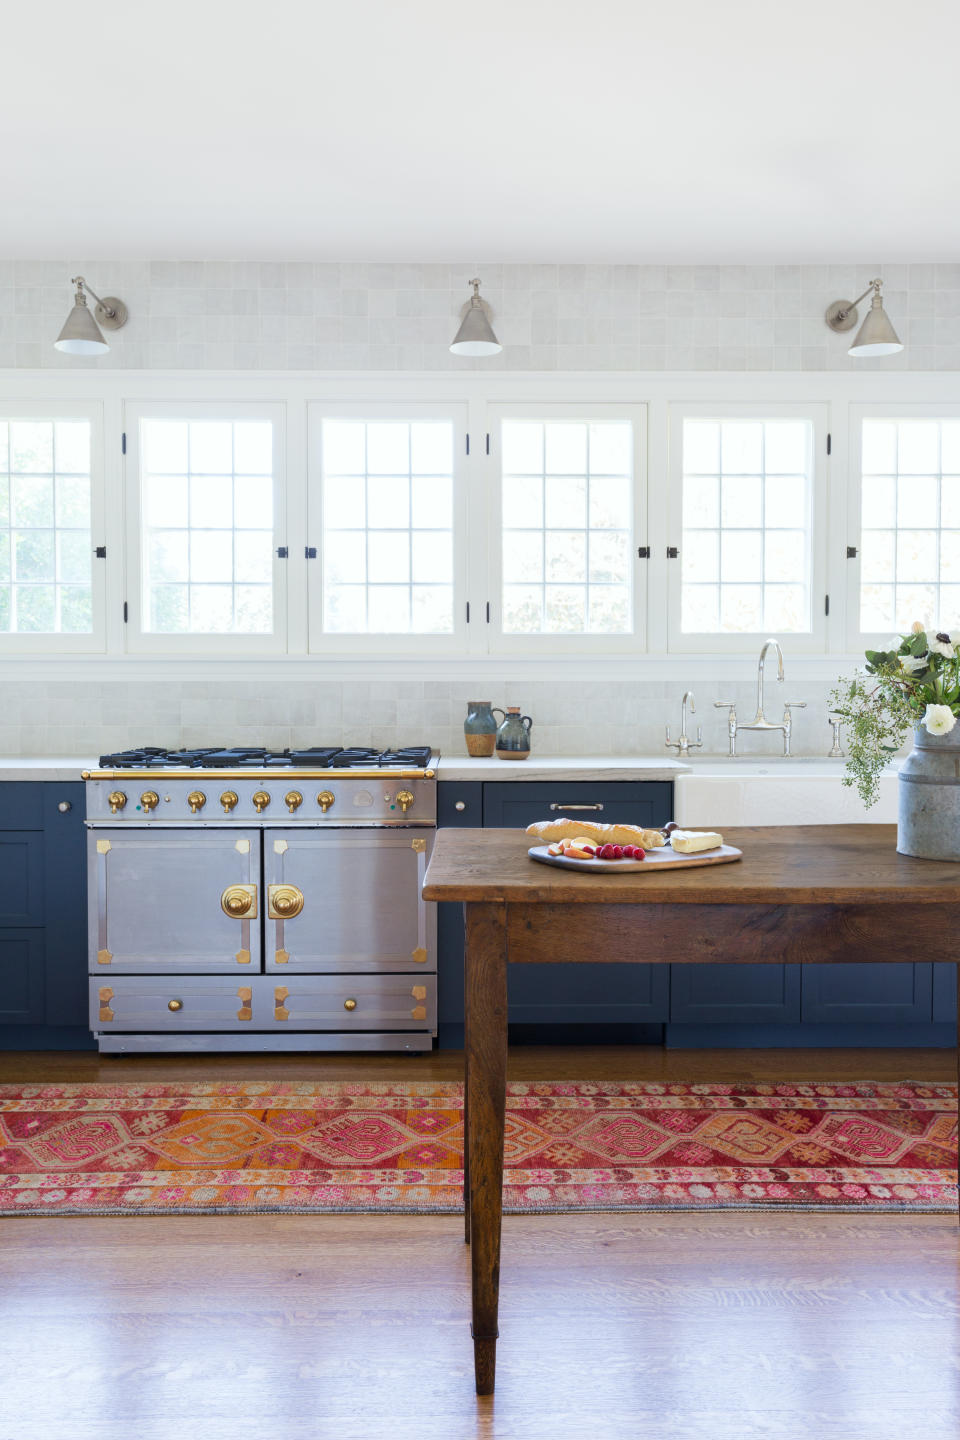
(513, 737)
(480, 727)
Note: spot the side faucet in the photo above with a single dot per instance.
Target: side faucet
(683, 745)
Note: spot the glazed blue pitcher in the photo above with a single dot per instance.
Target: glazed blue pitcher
(480, 728)
(513, 737)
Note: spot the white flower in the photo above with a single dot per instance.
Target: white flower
(939, 719)
(943, 644)
(913, 664)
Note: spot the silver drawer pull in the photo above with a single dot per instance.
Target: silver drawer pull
(576, 807)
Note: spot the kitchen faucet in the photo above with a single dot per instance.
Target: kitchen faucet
(760, 721)
(683, 746)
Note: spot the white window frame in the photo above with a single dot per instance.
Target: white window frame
(147, 642)
(577, 644)
(814, 641)
(95, 642)
(858, 639)
(456, 641)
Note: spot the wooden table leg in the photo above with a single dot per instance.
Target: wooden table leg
(486, 1078)
(958, 1094)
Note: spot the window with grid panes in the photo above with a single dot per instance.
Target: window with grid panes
(910, 524)
(208, 505)
(747, 506)
(46, 553)
(567, 529)
(387, 488)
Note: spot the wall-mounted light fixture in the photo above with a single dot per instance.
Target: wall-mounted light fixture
(81, 335)
(876, 335)
(475, 336)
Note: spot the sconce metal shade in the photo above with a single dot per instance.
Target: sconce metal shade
(475, 336)
(81, 334)
(876, 335)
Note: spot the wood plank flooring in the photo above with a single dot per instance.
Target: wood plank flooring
(664, 1326)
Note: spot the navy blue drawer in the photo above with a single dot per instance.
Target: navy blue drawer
(735, 994)
(945, 992)
(21, 877)
(21, 977)
(21, 805)
(870, 993)
(510, 804)
(588, 994)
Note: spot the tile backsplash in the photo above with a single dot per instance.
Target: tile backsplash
(248, 315)
(86, 719)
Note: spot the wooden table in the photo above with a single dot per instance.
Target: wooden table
(800, 895)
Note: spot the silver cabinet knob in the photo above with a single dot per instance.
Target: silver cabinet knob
(460, 805)
(64, 806)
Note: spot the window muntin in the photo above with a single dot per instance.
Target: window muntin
(910, 523)
(746, 548)
(567, 527)
(46, 552)
(388, 526)
(207, 489)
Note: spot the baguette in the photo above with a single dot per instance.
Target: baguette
(546, 830)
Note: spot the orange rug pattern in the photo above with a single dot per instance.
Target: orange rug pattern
(313, 1148)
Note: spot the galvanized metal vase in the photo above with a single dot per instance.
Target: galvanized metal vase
(928, 820)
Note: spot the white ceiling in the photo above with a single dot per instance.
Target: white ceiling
(603, 130)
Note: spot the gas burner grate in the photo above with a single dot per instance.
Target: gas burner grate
(319, 757)
(415, 757)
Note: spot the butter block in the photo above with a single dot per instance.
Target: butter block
(689, 842)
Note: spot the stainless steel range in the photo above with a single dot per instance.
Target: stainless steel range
(261, 900)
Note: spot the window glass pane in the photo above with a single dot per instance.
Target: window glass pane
(207, 488)
(46, 553)
(910, 518)
(387, 497)
(746, 544)
(567, 527)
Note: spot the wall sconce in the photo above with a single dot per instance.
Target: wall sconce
(81, 334)
(475, 336)
(876, 335)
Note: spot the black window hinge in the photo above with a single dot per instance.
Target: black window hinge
(123, 443)
(126, 613)
(826, 604)
(468, 612)
(101, 552)
(282, 552)
(643, 552)
(488, 612)
(672, 552)
(468, 442)
(851, 552)
(829, 442)
(310, 552)
(488, 444)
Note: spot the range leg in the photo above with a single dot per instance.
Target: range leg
(486, 1081)
(466, 1117)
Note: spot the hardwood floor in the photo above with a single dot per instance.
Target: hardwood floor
(670, 1326)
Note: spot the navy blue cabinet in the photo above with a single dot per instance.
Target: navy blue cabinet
(872, 993)
(43, 917)
(507, 804)
(735, 994)
(945, 993)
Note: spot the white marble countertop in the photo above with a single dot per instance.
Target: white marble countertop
(560, 767)
(45, 767)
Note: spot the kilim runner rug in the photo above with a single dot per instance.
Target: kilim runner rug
(312, 1148)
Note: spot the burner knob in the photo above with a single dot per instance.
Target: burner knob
(325, 799)
(196, 800)
(404, 799)
(149, 800)
(260, 800)
(229, 800)
(116, 800)
(293, 800)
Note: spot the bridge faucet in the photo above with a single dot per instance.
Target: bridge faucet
(760, 721)
(683, 745)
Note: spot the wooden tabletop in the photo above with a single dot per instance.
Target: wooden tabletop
(790, 865)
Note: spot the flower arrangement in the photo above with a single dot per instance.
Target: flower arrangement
(915, 682)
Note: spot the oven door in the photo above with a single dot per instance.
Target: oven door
(348, 900)
(174, 901)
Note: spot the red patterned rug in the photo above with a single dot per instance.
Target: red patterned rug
(308, 1148)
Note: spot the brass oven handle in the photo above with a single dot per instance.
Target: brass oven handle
(261, 800)
(116, 800)
(293, 800)
(284, 901)
(196, 800)
(174, 1004)
(325, 799)
(404, 800)
(229, 800)
(350, 1004)
(149, 800)
(239, 902)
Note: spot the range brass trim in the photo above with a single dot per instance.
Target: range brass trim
(419, 956)
(242, 847)
(103, 847)
(419, 992)
(280, 847)
(239, 902)
(281, 957)
(280, 1011)
(419, 1012)
(104, 957)
(245, 996)
(106, 995)
(284, 902)
(276, 772)
(418, 845)
(243, 957)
